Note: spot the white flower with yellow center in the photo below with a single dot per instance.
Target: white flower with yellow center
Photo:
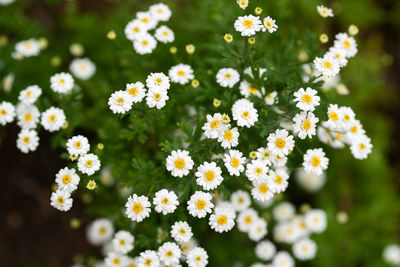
(156, 97)
(315, 220)
(304, 249)
(347, 43)
(120, 102)
(328, 65)
(307, 99)
(270, 98)
(240, 200)
(62, 82)
(278, 161)
(280, 143)
(324, 11)
(229, 137)
(222, 220)
(148, 258)
(136, 90)
(197, 257)
(248, 25)
(88, 164)
(339, 54)
(391, 254)
(181, 74)
(305, 124)
(82, 68)
(67, 179)
(247, 89)
(160, 12)
(181, 232)
(246, 219)
(116, 259)
(200, 204)
(283, 211)
(165, 201)
(244, 113)
(179, 163)
(27, 140)
(234, 161)
(158, 80)
(315, 161)
(78, 145)
(213, 126)
(147, 19)
(61, 200)
(355, 130)
(144, 44)
(262, 190)
(169, 253)
(7, 112)
(53, 119)
(137, 208)
(28, 48)
(335, 117)
(227, 77)
(361, 147)
(265, 250)
(243, 3)
(134, 29)
(100, 231)
(30, 94)
(257, 171)
(310, 181)
(123, 242)
(28, 116)
(164, 34)
(209, 175)
(132, 262)
(279, 180)
(264, 155)
(269, 25)
(258, 230)
(283, 259)
(348, 117)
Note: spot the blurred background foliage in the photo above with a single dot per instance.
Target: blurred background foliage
(368, 191)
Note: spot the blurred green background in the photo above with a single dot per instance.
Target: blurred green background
(368, 191)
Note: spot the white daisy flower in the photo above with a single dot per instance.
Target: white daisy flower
(304, 249)
(246, 219)
(280, 143)
(82, 68)
(347, 43)
(213, 126)
(120, 102)
(240, 200)
(248, 25)
(278, 161)
(78, 145)
(179, 163)
(137, 208)
(144, 44)
(134, 29)
(136, 90)
(100, 231)
(339, 54)
(229, 137)
(234, 162)
(181, 232)
(30, 94)
(355, 130)
(265, 250)
(222, 220)
(181, 73)
(283, 211)
(361, 147)
(200, 204)
(209, 175)
(257, 171)
(164, 34)
(270, 98)
(328, 65)
(158, 80)
(243, 3)
(147, 19)
(28, 116)
(165, 201)
(28, 48)
(169, 253)
(197, 257)
(123, 242)
(258, 230)
(279, 180)
(305, 124)
(27, 140)
(244, 113)
(282, 259)
(7, 112)
(262, 190)
(315, 161)
(227, 77)
(246, 89)
(264, 155)
(391, 254)
(310, 181)
(53, 119)
(315, 220)
(160, 12)
(307, 99)
(335, 117)
(269, 25)
(156, 98)
(88, 164)
(132, 262)
(62, 82)
(67, 179)
(61, 200)
(348, 117)
(115, 259)
(324, 11)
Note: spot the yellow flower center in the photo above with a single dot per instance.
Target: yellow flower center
(165, 201)
(209, 175)
(198, 258)
(346, 117)
(122, 242)
(227, 75)
(200, 204)
(179, 163)
(258, 171)
(169, 254)
(158, 81)
(66, 179)
(77, 144)
(240, 200)
(245, 114)
(157, 96)
(133, 91)
(327, 64)
(338, 136)
(362, 146)
(147, 262)
(346, 44)
(61, 81)
(136, 29)
(252, 89)
(280, 142)
(228, 135)
(248, 23)
(278, 179)
(145, 42)
(248, 220)
(333, 116)
(306, 124)
(306, 98)
(120, 101)
(27, 117)
(222, 220)
(268, 24)
(26, 140)
(144, 20)
(137, 207)
(181, 73)
(102, 230)
(354, 129)
(263, 188)
(3, 112)
(116, 261)
(235, 162)
(89, 163)
(182, 231)
(214, 124)
(28, 94)
(52, 118)
(315, 161)
(60, 200)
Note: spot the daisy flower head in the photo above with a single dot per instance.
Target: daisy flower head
(156, 97)
(340, 55)
(227, 77)
(123, 242)
(279, 180)
(115, 259)
(324, 11)
(247, 89)
(264, 155)
(179, 163)
(158, 80)
(243, 3)
(262, 190)
(335, 117)
(315, 161)
(61, 200)
(62, 82)
(165, 201)
(391, 254)
(265, 250)
(100, 231)
(67, 179)
(213, 126)
(269, 25)
(347, 43)
(30, 94)
(197, 257)
(310, 181)
(283, 211)
(280, 143)
(147, 19)
(244, 113)
(27, 140)
(82, 68)
(356, 130)
(28, 48)
(348, 117)
(88, 164)
(246, 219)
(258, 230)
(229, 137)
(164, 34)
(53, 119)
(120, 102)
(181, 232)
(283, 259)
(257, 170)
(78, 145)
(305, 124)
(248, 25)
(361, 147)
(240, 200)
(315, 220)
(160, 12)
(200, 204)
(222, 220)
(328, 65)
(134, 29)
(137, 208)
(28, 116)
(136, 90)
(7, 112)
(270, 98)
(149, 258)
(144, 44)
(234, 161)
(169, 253)
(304, 249)
(181, 73)
(209, 175)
